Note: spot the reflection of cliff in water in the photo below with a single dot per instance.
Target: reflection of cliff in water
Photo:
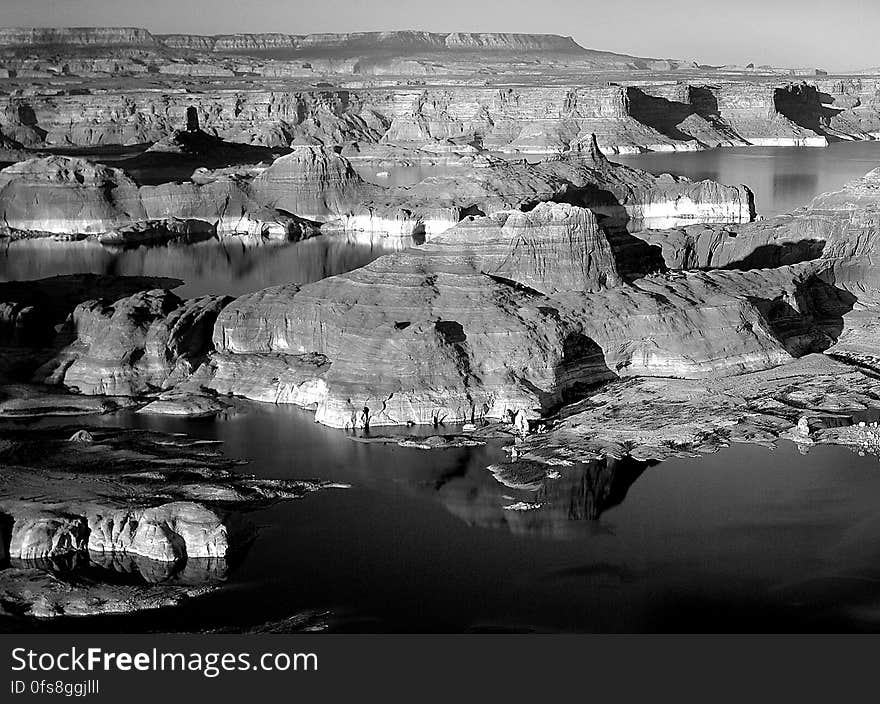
(211, 267)
(520, 496)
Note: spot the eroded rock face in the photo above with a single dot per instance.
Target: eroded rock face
(67, 195)
(622, 197)
(526, 119)
(841, 227)
(135, 344)
(47, 534)
(312, 182)
(73, 196)
(513, 313)
(166, 533)
(553, 247)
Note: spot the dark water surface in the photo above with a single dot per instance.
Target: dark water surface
(782, 178)
(211, 267)
(748, 539)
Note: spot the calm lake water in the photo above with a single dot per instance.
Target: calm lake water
(748, 539)
(782, 178)
(211, 267)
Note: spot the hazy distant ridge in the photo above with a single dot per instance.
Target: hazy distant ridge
(397, 40)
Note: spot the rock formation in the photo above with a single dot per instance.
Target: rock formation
(315, 184)
(67, 195)
(470, 325)
(135, 344)
(312, 182)
(163, 507)
(73, 196)
(531, 119)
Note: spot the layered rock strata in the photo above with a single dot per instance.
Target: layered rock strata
(137, 344)
(549, 119)
(313, 184)
(506, 313)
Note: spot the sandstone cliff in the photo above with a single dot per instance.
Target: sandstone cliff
(496, 315)
(531, 119)
(136, 344)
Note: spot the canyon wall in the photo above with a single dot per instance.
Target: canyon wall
(537, 119)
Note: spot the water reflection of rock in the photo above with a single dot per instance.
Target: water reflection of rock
(524, 498)
(228, 267)
(124, 568)
(193, 571)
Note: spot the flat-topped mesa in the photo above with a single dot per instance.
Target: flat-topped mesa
(506, 41)
(76, 36)
(267, 41)
(403, 41)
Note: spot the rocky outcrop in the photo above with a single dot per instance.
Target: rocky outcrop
(474, 324)
(43, 534)
(67, 195)
(621, 197)
(836, 227)
(531, 119)
(75, 36)
(664, 418)
(165, 533)
(316, 184)
(311, 182)
(135, 344)
(42, 594)
(548, 249)
(117, 521)
(74, 196)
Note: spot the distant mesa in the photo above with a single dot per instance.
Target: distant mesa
(402, 42)
(397, 40)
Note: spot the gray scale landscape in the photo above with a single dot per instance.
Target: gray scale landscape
(585, 316)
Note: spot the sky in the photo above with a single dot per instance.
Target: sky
(838, 35)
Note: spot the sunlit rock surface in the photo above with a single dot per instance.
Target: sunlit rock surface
(135, 344)
(313, 185)
(67, 195)
(467, 327)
